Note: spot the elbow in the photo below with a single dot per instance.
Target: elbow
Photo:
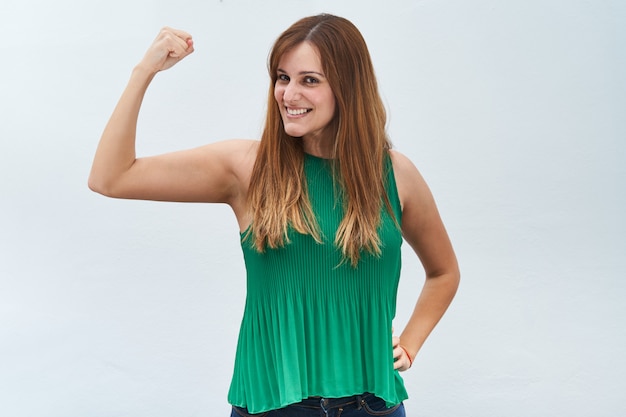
(109, 186)
(453, 271)
(98, 185)
(95, 186)
(108, 180)
(456, 273)
(449, 279)
(454, 280)
(454, 277)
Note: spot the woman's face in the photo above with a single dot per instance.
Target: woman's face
(305, 99)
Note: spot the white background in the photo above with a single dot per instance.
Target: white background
(513, 111)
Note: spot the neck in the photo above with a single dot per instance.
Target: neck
(320, 146)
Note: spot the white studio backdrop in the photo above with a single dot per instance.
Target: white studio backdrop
(513, 111)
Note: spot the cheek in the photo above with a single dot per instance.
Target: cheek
(329, 99)
(278, 94)
(331, 104)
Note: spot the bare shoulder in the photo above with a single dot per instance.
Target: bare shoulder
(243, 145)
(244, 154)
(231, 157)
(238, 157)
(411, 185)
(233, 149)
(402, 165)
(241, 153)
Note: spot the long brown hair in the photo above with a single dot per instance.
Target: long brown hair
(277, 196)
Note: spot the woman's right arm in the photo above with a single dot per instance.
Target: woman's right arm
(211, 173)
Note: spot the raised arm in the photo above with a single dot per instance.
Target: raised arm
(423, 229)
(213, 173)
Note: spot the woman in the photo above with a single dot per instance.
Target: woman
(323, 205)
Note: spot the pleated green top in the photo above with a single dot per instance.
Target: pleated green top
(313, 326)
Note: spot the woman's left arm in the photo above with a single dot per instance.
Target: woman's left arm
(424, 231)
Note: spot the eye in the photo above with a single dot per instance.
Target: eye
(310, 80)
(283, 77)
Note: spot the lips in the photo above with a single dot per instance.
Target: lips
(297, 112)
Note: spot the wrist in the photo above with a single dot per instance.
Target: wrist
(408, 355)
(143, 72)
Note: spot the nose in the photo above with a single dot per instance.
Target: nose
(291, 93)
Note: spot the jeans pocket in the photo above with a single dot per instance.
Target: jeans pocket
(375, 406)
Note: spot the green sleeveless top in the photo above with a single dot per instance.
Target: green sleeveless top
(312, 325)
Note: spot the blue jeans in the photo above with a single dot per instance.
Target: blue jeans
(355, 406)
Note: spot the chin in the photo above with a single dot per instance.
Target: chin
(294, 133)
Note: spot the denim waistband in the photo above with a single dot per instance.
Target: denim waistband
(324, 404)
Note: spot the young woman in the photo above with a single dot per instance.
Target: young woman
(323, 205)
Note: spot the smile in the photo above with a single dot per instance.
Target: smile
(297, 112)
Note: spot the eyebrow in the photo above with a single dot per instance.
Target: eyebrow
(303, 72)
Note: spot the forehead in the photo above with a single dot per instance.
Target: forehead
(302, 57)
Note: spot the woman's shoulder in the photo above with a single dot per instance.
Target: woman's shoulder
(402, 165)
(410, 183)
(227, 159)
(239, 146)
(237, 153)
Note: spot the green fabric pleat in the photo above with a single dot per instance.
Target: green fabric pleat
(312, 325)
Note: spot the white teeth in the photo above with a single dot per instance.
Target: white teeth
(296, 112)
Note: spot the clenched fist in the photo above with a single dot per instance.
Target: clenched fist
(169, 47)
(401, 357)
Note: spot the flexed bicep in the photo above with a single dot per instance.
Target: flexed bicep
(214, 173)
